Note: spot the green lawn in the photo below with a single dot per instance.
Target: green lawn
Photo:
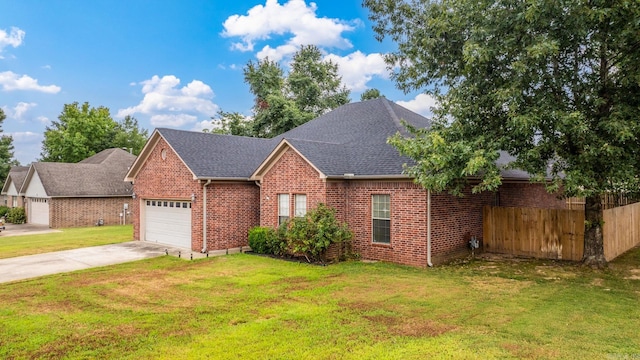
(11, 246)
(251, 307)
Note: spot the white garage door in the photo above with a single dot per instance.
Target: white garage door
(168, 222)
(38, 211)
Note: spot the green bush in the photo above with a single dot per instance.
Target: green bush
(3, 210)
(312, 234)
(260, 239)
(16, 216)
(278, 244)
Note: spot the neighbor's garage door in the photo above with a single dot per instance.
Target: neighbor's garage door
(168, 222)
(38, 211)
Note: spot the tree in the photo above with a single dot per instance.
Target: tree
(555, 84)
(314, 84)
(6, 151)
(231, 123)
(282, 102)
(83, 131)
(129, 135)
(370, 94)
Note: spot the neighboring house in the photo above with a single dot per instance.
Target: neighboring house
(340, 158)
(87, 193)
(12, 185)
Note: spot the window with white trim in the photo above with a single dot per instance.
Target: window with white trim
(283, 208)
(381, 218)
(300, 209)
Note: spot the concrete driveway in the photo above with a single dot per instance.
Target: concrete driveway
(25, 229)
(26, 267)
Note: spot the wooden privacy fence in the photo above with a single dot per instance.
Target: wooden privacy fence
(621, 230)
(540, 233)
(555, 233)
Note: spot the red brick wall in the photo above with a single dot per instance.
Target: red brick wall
(408, 219)
(76, 212)
(167, 179)
(233, 209)
(529, 195)
(454, 220)
(291, 174)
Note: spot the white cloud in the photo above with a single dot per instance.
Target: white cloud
(172, 120)
(21, 109)
(422, 104)
(171, 105)
(26, 137)
(12, 81)
(277, 53)
(357, 68)
(46, 67)
(43, 119)
(204, 124)
(295, 19)
(12, 38)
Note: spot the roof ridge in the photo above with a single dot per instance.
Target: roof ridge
(396, 121)
(214, 134)
(314, 141)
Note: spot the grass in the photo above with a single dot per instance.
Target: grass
(245, 306)
(73, 238)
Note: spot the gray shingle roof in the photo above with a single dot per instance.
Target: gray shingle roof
(354, 138)
(218, 156)
(99, 175)
(351, 139)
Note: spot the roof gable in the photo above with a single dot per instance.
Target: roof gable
(15, 178)
(275, 155)
(352, 139)
(209, 156)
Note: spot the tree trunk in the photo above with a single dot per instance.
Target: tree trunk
(593, 240)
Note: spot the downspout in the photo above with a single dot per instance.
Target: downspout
(204, 216)
(429, 228)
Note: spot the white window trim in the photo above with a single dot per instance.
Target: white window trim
(373, 217)
(299, 211)
(284, 214)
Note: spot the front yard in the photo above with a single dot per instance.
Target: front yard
(245, 306)
(12, 246)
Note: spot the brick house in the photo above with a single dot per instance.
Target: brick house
(79, 194)
(340, 158)
(12, 186)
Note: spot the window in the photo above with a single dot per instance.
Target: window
(300, 205)
(381, 215)
(283, 208)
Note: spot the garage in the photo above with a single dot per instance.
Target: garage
(38, 211)
(168, 222)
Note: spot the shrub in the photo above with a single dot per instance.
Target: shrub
(3, 210)
(312, 235)
(259, 239)
(278, 244)
(16, 216)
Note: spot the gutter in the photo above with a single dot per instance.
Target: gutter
(204, 216)
(370, 177)
(429, 263)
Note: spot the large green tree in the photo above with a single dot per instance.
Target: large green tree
(284, 101)
(82, 131)
(6, 151)
(556, 84)
(130, 135)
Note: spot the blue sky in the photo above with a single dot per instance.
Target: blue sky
(169, 63)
